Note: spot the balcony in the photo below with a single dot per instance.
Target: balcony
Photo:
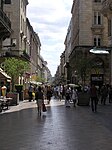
(14, 53)
(106, 8)
(5, 25)
(97, 29)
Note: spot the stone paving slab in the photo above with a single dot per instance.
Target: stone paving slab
(60, 128)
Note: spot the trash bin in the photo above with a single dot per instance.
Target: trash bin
(83, 99)
(21, 97)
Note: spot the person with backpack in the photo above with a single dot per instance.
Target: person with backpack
(39, 97)
(30, 91)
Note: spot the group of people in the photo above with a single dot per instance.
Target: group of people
(69, 94)
(39, 93)
(97, 94)
(100, 94)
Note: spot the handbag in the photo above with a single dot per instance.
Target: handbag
(44, 108)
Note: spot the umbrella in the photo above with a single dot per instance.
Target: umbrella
(73, 85)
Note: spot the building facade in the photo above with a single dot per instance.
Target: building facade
(5, 32)
(19, 39)
(107, 12)
(89, 30)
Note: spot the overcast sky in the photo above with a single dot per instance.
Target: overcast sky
(50, 19)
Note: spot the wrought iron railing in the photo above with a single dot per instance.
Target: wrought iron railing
(5, 19)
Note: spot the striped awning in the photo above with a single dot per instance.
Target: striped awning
(4, 75)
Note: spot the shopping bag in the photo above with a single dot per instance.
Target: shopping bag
(44, 108)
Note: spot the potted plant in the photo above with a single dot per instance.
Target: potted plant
(19, 88)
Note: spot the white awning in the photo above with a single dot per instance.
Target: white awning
(3, 74)
(34, 82)
(99, 51)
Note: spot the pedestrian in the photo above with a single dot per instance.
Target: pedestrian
(74, 95)
(55, 92)
(30, 91)
(4, 90)
(104, 94)
(49, 94)
(39, 97)
(67, 96)
(110, 94)
(94, 98)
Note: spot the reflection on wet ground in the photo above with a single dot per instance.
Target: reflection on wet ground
(60, 128)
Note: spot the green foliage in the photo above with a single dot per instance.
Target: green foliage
(83, 68)
(15, 68)
(39, 79)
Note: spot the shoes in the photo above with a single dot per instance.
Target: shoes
(68, 106)
(39, 113)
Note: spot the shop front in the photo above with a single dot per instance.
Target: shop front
(4, 80)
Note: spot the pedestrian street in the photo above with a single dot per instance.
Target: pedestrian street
(60, 128)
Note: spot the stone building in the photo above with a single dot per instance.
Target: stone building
(16, 12)
(89, 31)
(5, 32)
(107, 12)
(23, 43)
(67, 52)
(19, 40)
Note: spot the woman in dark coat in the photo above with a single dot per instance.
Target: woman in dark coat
(94, 98)
(49, 94)
(39, 97)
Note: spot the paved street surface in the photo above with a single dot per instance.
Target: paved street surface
(60, 128)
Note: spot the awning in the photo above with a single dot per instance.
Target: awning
(34, 82)
(99, 51)
(4, 75)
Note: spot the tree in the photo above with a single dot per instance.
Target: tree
(83, 68)
(39, 79)
(15, 68)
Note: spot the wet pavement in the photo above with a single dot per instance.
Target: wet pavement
(60, 128)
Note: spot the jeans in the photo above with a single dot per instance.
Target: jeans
(94, 102)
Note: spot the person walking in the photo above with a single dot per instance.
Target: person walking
(74, 96)
(30, 91)
(104, 94)
(94, 98)
(67, 96)
(39, 97)
(49, 94)
(110, 94)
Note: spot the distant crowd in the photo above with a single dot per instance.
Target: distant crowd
(70, 93)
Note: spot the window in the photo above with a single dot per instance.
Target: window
(97, 18)
(7, 1)
(97, 41)
(97, 1)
